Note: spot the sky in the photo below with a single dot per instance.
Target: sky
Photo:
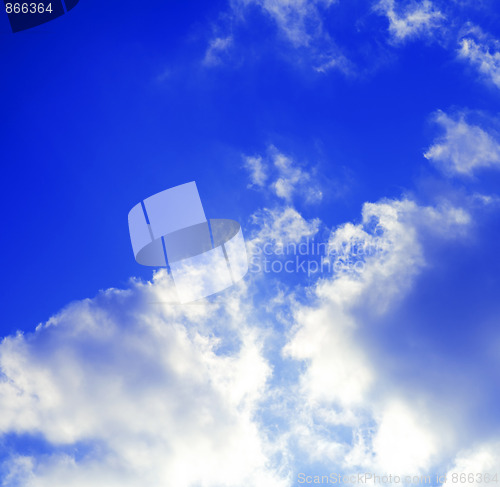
(367, 129)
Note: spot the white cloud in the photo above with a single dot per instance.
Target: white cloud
(257, 170)
(281, 226)
(405, 442)
(463, 148)
(300, 23)
(482, 52)
(288, 179)
(329, 62)
(151, 389)
(341, 385)
(217, 47)
(417, 19)
(478, 461)
(292, 179)
(144, 385)
(299, 20)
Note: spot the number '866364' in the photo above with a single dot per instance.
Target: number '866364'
(28, 8)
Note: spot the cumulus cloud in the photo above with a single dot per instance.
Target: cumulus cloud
(144, 386)
(287, 179)
(417, 19)
(406, 440)
(464, 148)
(127, 389)
(479, 461)
(340, 385)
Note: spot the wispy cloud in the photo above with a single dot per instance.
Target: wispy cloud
(282, 226)
(299, 20)
(416, 19)
(482, 52)
(463, 148)
(257, 171)
(283, 177)
(217, 48)
(300, 23)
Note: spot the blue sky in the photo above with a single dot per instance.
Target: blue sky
(302, 120)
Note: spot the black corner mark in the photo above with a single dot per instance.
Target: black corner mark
(70, 4)
(25, 14)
